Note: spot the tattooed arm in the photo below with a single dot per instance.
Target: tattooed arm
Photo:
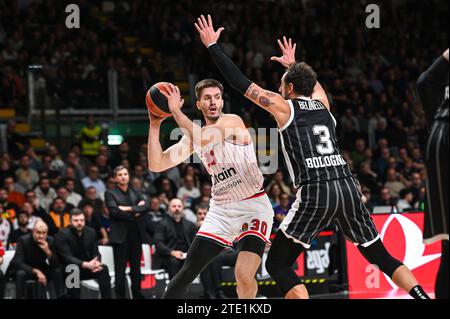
(270, 101)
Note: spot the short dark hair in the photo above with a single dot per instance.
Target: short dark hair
(201, 206)
(76, 212)
(207, 83)
(118, 168)
(302, 77)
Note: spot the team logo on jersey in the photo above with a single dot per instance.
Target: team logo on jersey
(244, 227)
(210, 158)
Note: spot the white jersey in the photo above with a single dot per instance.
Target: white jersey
(234, 171)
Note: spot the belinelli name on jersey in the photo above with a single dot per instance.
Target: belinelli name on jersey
(325, 161)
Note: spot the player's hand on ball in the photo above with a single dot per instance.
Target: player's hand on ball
(174, 99)
(288, 51)
(155, 120)
(206, 30)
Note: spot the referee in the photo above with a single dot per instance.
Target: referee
(432, 87)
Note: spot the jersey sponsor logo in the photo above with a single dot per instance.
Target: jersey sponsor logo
(225, 174)
(228, 176)
(325, 161)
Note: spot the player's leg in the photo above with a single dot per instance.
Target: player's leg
(282, 254)
(442, 276)
(436, 207)
(313, 210)
(201, 252)
(251, 249)
(357, 225)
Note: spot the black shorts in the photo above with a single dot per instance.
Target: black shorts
(318, 205)
(436, 209)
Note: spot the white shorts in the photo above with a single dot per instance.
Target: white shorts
(233, 221)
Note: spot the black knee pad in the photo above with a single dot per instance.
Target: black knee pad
(282, 255)
(377, 254)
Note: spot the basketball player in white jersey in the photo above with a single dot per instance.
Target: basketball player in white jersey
(239, 210)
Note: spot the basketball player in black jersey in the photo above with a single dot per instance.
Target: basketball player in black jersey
(432, 87)
(327, 192)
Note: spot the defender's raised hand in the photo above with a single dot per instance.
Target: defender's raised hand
(206, 30)
(288, 51)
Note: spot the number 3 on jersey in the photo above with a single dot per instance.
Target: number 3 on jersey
(325, 146)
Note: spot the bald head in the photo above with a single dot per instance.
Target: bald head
(40, 231)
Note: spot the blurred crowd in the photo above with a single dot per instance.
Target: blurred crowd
(369, 75)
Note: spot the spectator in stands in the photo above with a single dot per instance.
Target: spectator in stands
(17, 144)
(31, 218)
(369, 178)
(35, 162)
(406, 200)
(382, 163)
(188, 192)
(386, 198)
(5, 169)
(110, 184)
(173, 236)
(8, 208)
(90, 139)
(358, 155)
(2, 275)
(73, 161)
(60, 214)
(73, 198)
(57, 164)
(34, 210)
(393, 184)
(278, 178)
(90, 197)
(165, 187)
(15, 192)
(25, 175)
(104, 170)
(22, 229)
(153, 217)
(77, 245)
(144, 177)
(5, 227)
(93, 180)
(126, 207)
(45, 194)
(94, 222)
(281, 210)
(205, 195)
(63, 193)
(274, 193)
(36, 259)
(123, 153)
(417, 184)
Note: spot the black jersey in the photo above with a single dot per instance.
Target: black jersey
(309, 144)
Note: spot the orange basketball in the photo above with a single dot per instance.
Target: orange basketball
(156, 101)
